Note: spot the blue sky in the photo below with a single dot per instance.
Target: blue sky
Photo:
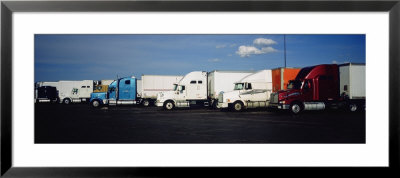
(96, 57)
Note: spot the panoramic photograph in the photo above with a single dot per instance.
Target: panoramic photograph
(199, 88)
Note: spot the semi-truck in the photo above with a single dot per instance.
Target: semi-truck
(120, 91)
(128, 90)
(252, 91)
(151, 85)
(199, 88)
(71, 91)
(324, 86)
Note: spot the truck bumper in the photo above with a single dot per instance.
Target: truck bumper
(222, 105)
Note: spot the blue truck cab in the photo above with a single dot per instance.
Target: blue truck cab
(121, 91)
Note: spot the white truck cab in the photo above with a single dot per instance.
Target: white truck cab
(252, 91)
(190, 90)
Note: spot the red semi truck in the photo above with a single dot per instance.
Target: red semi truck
(324, 86)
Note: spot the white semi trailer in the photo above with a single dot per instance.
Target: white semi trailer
(252, 91)
(199, 88)
(71, 91)
(150, 85)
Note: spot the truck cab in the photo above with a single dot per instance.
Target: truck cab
(121, 91)
(190, 90)
(314, 88)
(252, 91)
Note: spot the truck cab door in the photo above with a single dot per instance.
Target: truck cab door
(181, 93)
(307, 90)
(247, 94)
(112, 89)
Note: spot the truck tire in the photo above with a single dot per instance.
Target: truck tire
(67, 101)
(296, 108)
(146, 103)
(95, 103)
(353, 107)
(169, 105)
(237, 106)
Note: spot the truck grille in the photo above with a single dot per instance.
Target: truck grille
(274, 98)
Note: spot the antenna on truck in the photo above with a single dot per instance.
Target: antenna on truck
(284, 47)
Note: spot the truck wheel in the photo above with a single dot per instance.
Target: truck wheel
(353, 107)
(146, 103)
(66, 101)
(237, 106)
(95, 103)
(169, 105)
(296, 108)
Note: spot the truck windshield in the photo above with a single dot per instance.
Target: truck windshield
(239, 86)
(294, 84)
(175, 87)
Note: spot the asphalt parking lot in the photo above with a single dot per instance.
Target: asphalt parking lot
(79, 123)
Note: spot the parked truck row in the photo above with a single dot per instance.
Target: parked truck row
(310, 88)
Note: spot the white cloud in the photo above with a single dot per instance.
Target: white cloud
(220, 46)
(264, 41)
(246, 51)
(214, 60)
(334, 62)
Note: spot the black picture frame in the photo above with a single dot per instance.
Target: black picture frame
(8, 7)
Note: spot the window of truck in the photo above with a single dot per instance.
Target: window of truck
(307, 84)
(175, 87)
(294, 84)
(248, 86)
(239, 86)
(193, 82)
